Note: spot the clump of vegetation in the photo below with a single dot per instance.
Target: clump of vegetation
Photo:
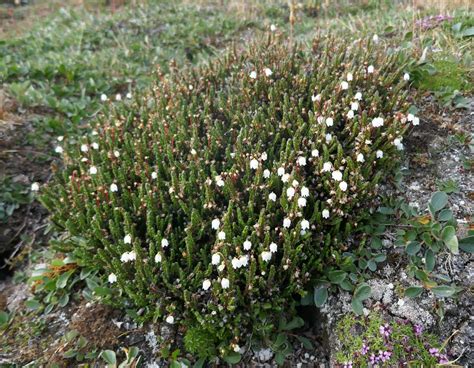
(221, 195)
(372, 341)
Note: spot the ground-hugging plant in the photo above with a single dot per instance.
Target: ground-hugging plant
(375, 342)
(214, 200)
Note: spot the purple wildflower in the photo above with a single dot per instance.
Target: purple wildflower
(385, 330)
(418, 329)
(347, 365)
(365, 349)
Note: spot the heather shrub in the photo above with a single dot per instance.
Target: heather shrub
(217, 198)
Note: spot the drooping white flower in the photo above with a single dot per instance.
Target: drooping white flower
(221, 267)
(253, 74)
(236, 348)
(225, 283)
(379, 154)
(216, 259)
(103, 97)
(170, 319)
(116, 153)
(290, 192)
(304, 225)
(360, 157)
(406, 77)
(154, 175)
(118, 97)
(272, 196)
(247, 245)
(273, 27)
(325, 214)
(370, 69)
(327, 166)
(337, 175)
(254, 164)
(215, 224)
(264, 156)
(410, 117)
(59, 149)
(266, 173)
(84, 148)
(206, 284)
(244, 261)
(268, 72)
(286, 222)
(95, 145)
(266, 256)
(285, 177)
(295, 183)
(315, 153)
(236, 263)
(129, 95)
(273, 248)
(377, 122)
(304, 192)
(60, 138)
(35, 187)
(416, 121)
(127, 239)
(193, 152)
(221, 235)
(329, 122)
(302, 161)
(375, 38)
(355, 106)
(343, 186)
(320, 119)
(164, 243)
(344, 85)
(350, 77)
(281, 171)
(350, 114)
(328, 137)
(315, 98)
(219, 181)
(113, 187)
(158, 258)
(398, 143)
(112, 278)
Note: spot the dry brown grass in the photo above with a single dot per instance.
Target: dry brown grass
(443, 5)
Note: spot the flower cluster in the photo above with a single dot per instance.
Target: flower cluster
(213, 206)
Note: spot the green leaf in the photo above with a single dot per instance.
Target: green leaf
(357, 306)
(320, 296)
(337, 276)
(62, 279)
(4, 317)
(175, 364)
(102, 291)
(199, 363)
(468, 32)
(438, 201)
(413, 291)
(413, 248)
(306, 342)
(430, 260)
(32, 304)
(443, 291)
(362, 292)
(296, 322)
(109, 356)
(445, 215)
(467, 244)
(450, 239)
(233, 358)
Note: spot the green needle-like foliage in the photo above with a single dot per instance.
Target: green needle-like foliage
(215, 199)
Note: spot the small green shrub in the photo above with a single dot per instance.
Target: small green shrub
(218, 198)
(197, 341)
